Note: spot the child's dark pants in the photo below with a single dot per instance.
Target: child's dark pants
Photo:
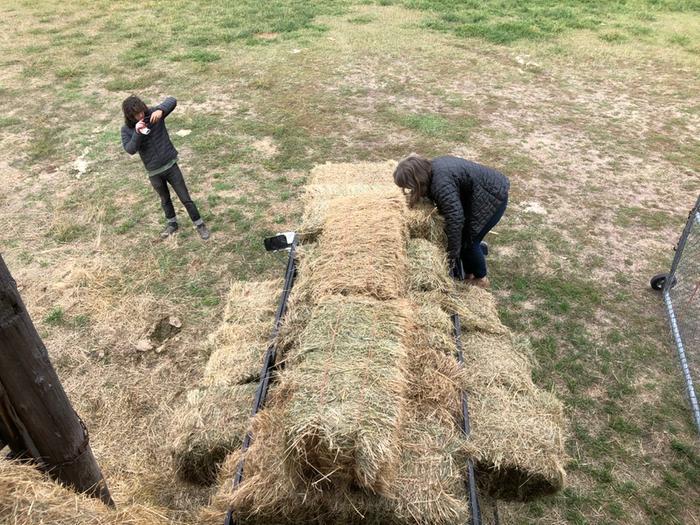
(173, 176)
(471, 254)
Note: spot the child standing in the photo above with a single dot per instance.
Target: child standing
(144, 132)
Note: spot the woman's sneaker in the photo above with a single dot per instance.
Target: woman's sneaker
(203, 231)
(169, 230)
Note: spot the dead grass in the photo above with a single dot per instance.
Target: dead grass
(29, 498)
(583, 127)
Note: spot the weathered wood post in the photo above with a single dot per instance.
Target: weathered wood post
(37, 420)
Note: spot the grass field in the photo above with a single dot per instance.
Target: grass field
(591, 108)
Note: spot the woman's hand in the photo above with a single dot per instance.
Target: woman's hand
(139, 126)
(156, 116)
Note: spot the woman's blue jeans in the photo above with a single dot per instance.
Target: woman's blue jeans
(472, 256)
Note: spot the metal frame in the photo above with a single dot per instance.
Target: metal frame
(693, 221)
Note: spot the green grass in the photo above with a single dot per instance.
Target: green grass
(508, 21)
(55, 317)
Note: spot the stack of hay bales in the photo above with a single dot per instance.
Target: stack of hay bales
(28, 497)
(517, 429)
(362, 425)
(213, 421)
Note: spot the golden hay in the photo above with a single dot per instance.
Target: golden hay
(428, 488)
(329, 181)
(347, 383)
(239, 361)
(321, 196)
(242, 338)
(425, 222)
(493, 360)
(345, 173)
(434, 381)
(270, 496)
(476, 308)
(349, 261)
(427, 267)
(249, 301)
(435, 328)
(516, 427)
(27, 497)
(207, 428)
(517, 440)
(299, 303)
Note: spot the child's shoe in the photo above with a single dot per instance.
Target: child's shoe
(169, 230)
(203, 231)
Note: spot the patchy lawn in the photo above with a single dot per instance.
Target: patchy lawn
(591, 108)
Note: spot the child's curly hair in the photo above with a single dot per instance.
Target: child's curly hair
(131, 107)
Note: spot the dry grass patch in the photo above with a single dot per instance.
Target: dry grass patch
(27, 497)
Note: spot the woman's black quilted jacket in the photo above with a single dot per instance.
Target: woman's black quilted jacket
(467, 195)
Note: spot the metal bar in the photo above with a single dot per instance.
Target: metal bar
(267, 367)
(695, 213)
(684, 362)
(466, 428)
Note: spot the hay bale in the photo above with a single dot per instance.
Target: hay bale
(428, 488)
(210, 426)
(517, 440)
(493, 360)
(329, 181)
(349, 261)
(242, 338)
(427, 267)
(27, 497)
(434, 325)
(251, 301)
(239, 361)
(517, 428)
(269, 495)
(319, 199)
(425, 222)
(347, 384)
(476, 308)
(299, 303)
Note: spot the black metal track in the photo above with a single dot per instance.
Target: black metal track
(471, 476)
(267, 367)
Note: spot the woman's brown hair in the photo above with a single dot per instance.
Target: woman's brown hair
(413, 174)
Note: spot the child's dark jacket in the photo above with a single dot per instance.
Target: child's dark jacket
(155, 149)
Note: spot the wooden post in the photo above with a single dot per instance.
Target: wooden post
(37, 420)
